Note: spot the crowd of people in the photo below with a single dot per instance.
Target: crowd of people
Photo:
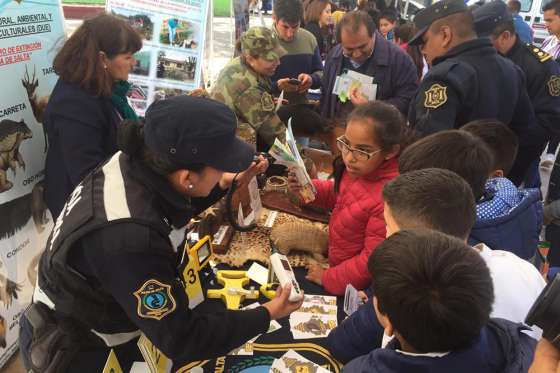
(435, 208)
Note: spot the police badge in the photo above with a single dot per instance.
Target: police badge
(554, 85)
(435, 96)
(155, 300)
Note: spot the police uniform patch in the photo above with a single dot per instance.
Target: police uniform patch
(554, 85)
(435, 96)
(155, 300)
(267, 102)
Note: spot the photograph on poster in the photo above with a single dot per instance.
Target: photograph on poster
(161, 93)
(142, 66)
(180, 33)
(138, 97)
(141, 22)
(176, 66)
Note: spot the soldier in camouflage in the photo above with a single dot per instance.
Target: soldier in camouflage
(244, 85)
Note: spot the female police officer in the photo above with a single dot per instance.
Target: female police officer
(109, 269)
(244, 85)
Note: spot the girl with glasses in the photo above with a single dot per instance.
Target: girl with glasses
(369, 150)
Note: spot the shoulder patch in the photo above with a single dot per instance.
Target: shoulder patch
(155, 300)
(554, 85)
(541, 55)
(267, 102)
(435, 96)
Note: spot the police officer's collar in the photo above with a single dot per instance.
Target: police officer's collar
(176, 207)
(471, 45)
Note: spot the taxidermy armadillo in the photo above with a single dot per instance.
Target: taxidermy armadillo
(300, 236)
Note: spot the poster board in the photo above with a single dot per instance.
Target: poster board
(31, 32)
(174, 36)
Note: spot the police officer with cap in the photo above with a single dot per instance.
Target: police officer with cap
(494, 21)
(467, 79)
(244, 85)
(109, 270)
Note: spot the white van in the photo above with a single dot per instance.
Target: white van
(532, 13)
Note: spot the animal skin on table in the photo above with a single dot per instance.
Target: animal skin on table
(255, 245)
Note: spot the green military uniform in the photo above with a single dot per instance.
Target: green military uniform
(248, 93)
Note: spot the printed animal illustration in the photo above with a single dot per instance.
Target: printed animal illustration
(12, 135)
(17, 212)
(38, 105)
(2, 332)
(8, 290)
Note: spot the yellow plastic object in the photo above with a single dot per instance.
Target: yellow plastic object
(268, 291)
(233, 293)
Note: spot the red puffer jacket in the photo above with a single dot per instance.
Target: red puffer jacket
(356, 226)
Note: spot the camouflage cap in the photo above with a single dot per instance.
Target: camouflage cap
(262, 42)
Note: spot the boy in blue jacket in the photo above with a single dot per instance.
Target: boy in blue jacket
(434, 294)
(508, 218)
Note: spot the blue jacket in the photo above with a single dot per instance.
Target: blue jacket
(510, 219)
(82, 132)
(500, 347)
(357, 335)
(392, 69)
(522, 29)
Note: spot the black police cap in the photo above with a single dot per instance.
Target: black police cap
(490, 15)
(427, 16)
(194, 130)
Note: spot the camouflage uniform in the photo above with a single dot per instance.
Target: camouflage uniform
(248, 94)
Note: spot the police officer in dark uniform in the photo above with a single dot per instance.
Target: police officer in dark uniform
(542, 73)
(467, 79)
(109, 270)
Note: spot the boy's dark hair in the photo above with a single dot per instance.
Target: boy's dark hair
(353, 21)
(389, 15)
(289, 11)
(553, 5)
(432, 198)
(435, 289)
(454, 150)
(388, 127)
(501, 140)
(78, 61)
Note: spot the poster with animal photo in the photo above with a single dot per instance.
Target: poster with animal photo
(174, 40)
(30, 34)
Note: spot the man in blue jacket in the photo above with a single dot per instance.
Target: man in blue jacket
(523, 30)
(364, 50)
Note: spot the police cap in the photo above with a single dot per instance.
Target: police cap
(190, 130)
(490, 15)
(262, 42)
(427, 16)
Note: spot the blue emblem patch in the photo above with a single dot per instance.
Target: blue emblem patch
(154, 300)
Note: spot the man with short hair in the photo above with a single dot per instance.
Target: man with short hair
(524, 31)
(467, 80)
(542, 73)
(365, 50)
(552, 20)
(441, 200)
(300, 68)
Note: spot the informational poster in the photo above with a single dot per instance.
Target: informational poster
(31, 32)
(173, 36)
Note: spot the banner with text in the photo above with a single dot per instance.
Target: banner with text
(31, 31)
(173, 36)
